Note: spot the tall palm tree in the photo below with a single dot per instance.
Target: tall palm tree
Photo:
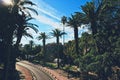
(57, 33)
(23, 17)
(91, 15)
(95, 13)
(20, 17)
(16, 17)
(75, 21)
(63, 21)
(23, 23)
(43, 37)
(6, 37)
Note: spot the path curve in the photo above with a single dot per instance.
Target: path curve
(37, 73)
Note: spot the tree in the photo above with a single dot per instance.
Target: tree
(26, 52)
(75, 21)
(96, 13)
(15, 20)
(70, 52)
(43, 37)
(51, 52)
(87, 44)
(63, 21)
(31, 44)
(23, 18)
(104, 26)
(57, 33)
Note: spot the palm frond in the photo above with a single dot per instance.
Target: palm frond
(31, 9)
(39, 37)
(27, 2)
(30, 18)
(42, 36)
(63, 33)
(51, 33)
(32, 26)
(26, 12)
(57, 33)
(27, 35)
(64, 20)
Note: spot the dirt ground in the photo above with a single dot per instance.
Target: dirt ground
(65, 74)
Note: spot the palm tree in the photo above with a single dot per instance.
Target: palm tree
(6, 37)
(16, 16)
(43, 37)
(75, 21)
(31, 44)
(23, 17)
(57, 33)
(95, 13)
(63, 21)
(22, 31)
(91, 15)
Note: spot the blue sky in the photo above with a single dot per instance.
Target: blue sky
(49, 18)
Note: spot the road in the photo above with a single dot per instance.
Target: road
(35, 69)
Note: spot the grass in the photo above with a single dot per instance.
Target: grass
(50, 65)
(72, 70)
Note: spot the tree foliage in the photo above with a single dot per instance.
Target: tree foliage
(14, 19)
(100, 50)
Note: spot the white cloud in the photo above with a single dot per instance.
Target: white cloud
(45, 9)
(42, 11)
(47, 14)
(45, 20)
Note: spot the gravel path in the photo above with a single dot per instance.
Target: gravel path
(25, 73)
(56, 75)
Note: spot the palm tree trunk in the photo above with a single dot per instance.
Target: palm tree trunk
(7, 63)
(11, 59)
(76, 39)
(63, 35)
(8, 69)
(58, 54)
(93, 26)
(94, 31)
(76, 45)
(44, 51)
